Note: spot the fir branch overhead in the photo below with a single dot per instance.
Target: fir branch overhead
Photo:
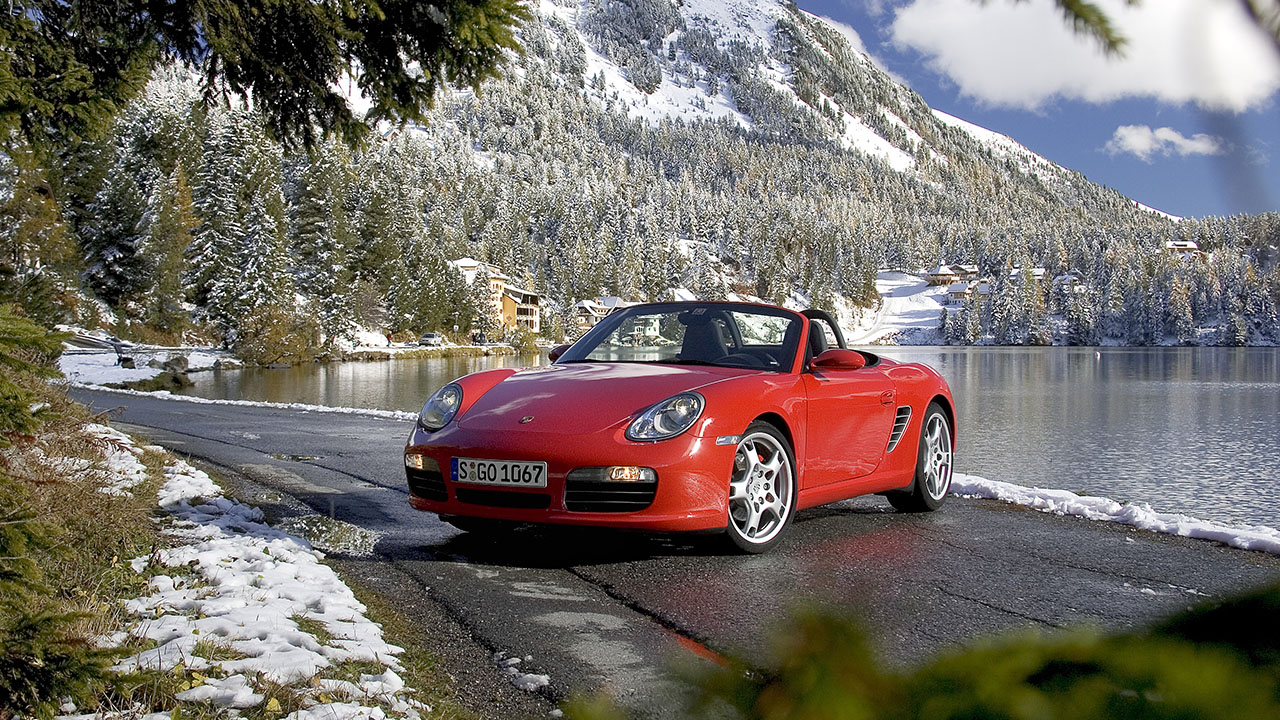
(66, 67)
(1089, 19)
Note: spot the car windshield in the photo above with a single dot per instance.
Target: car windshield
(722, 334)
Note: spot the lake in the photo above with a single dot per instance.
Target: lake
(1194, 430)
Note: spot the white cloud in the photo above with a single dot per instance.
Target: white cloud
(1022, 54)
(1144, 142)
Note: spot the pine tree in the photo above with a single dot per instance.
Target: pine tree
(323, 240)
(72, 64)
(43, 658)
(171, 223)
(212, 253)
(36, 250)
(484, 316)
(116, 268)
(1180, 325)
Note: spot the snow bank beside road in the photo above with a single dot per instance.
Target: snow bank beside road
(1138, 515)
(302, 407)
(256, 597)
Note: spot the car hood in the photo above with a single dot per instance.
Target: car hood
(582, 398)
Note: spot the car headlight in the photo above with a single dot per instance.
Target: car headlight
(441, 407)
(667, 419)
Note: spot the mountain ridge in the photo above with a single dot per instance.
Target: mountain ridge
(635, 147)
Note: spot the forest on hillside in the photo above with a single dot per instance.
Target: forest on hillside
(189, 222)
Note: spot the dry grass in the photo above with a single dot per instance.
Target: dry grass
(94, 535)
(423, 670)
(87, 571)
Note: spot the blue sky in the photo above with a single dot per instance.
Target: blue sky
(1188, 121)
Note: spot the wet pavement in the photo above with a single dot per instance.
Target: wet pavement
(610, 611)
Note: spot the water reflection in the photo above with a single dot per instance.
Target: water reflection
(1185, 429)
(388, 385)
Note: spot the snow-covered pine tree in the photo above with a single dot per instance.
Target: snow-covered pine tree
(323, 237)
(483, 313)
(171, 224)
(211, 255)
(115, 267)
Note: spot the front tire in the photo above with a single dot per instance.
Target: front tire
(933, 466)
(762, 489)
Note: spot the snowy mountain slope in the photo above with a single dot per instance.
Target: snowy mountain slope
(656, 60)
(696, 87)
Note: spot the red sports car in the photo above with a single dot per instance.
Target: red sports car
(691, 416)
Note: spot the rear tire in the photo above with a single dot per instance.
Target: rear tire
(933, 466)
(762, 489)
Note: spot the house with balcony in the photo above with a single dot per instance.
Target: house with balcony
(509, 304)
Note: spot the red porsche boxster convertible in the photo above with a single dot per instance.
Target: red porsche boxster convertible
(690, 416)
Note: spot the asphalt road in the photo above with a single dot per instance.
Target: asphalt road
(612, 611)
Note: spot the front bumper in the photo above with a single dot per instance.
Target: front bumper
(691, 492)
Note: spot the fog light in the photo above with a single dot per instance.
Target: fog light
(413, 461)
(631, 474)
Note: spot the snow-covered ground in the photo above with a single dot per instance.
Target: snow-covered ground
(256, 597)
(100, 367)
(908, 306)
(1138, 515)
(302, 407)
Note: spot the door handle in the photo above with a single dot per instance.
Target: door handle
(886, 398)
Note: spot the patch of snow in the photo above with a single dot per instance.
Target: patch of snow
(166, 395)
(120, 464)
(908, 304)
(365, 338)
(234, 692)
(1139, 515)
(859, 136)
(255, 584)
(528, 682)
(100, 368)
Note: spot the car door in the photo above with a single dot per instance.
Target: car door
(850, 411)
(850, 416)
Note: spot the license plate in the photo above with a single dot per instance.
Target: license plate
(500, 472)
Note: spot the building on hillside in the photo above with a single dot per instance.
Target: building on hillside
(587, 313)
(1037, 274)
(510, 305)
(957, 293)
(1184, 249)
(967, 273)
(1069, 280)
(942, 275)
(521, 307)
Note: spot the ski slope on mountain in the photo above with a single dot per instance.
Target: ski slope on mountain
(907, 305)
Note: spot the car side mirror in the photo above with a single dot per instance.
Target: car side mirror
(840, 359)
(556, 352)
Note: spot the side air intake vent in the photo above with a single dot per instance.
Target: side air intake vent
(899, 426)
